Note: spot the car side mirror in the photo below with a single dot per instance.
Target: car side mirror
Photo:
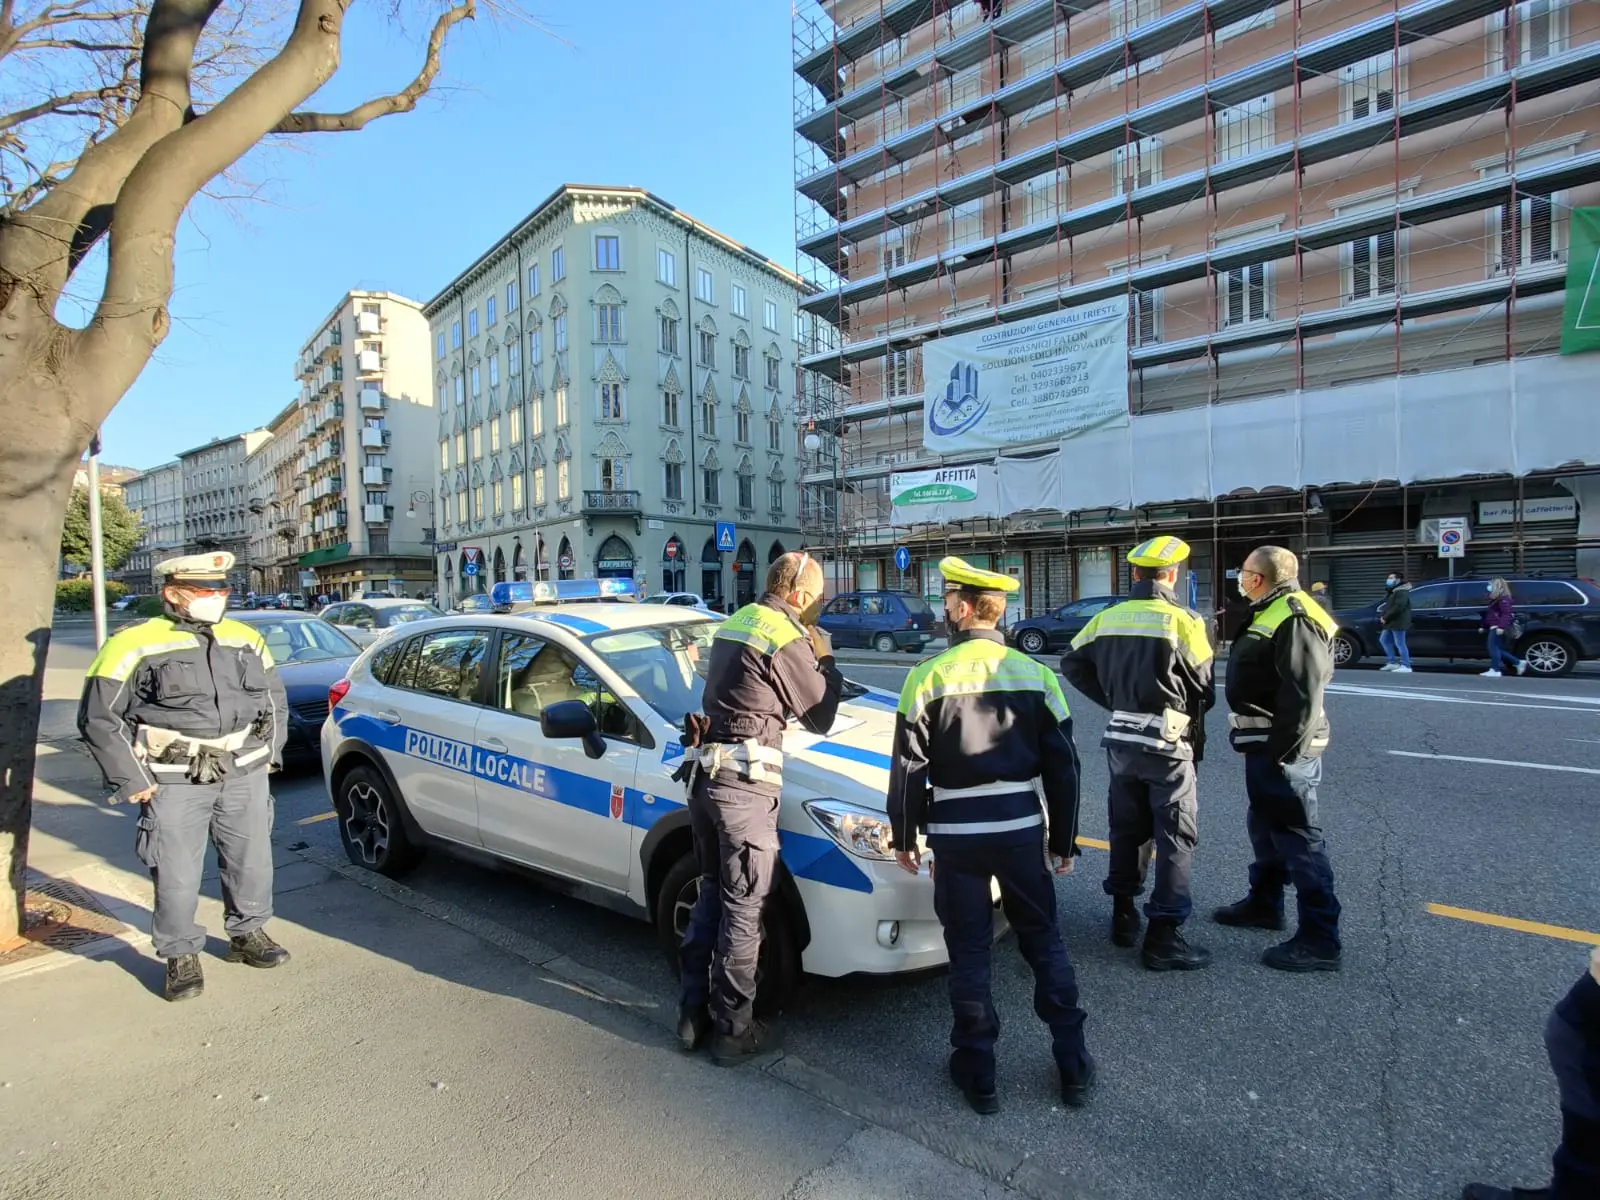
(573, 719)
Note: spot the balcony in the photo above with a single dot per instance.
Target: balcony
(379, 514)
(609, 501)
(376, 476)
(368, 324)
(371, 400)
(373, 438)
(331, 413)
(368, 362)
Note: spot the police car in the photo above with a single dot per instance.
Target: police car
(547, 735)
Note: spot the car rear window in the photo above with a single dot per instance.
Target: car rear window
(1544, 591)
(401, 614)
(916, 605)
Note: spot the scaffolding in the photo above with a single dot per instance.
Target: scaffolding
(1290, 195)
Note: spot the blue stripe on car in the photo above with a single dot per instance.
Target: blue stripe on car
(581, 625)
(870, 758)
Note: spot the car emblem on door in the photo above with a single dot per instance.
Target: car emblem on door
(616, 802)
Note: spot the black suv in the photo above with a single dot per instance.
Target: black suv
(1055, 629)
(1560, 621)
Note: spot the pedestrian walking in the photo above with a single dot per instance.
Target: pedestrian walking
(769, 662)
(1278, 670)
(1572, 1041)
(1395, 620)
(185, 715)
(1148, 660)
(1500, 623)
(981, 733)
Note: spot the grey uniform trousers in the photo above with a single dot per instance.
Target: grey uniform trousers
(236, 815)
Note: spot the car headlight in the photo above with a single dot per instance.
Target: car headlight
(862, 831)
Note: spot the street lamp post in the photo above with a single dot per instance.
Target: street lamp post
(430, 531)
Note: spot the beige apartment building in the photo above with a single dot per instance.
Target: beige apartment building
(274, 512)
(215, 498)
(1339, 229)
(365, 432)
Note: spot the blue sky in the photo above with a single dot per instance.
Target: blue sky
(688, 98)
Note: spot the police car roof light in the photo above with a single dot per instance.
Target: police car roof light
(526, 592)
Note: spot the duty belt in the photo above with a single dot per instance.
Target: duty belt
(1250, 730)
(199, 760)
(1003, 787)
(748, 759)
(1156, 731)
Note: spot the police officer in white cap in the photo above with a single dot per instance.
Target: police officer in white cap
(1149, 661)
(185, 714)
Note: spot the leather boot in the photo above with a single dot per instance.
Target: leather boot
(729, 1050)
(694, 1023)
(1300, 957)
(256, 949)
(1125, 922)
(1253, 912)
(980, 1096)
(185, 980)
(1165, 950)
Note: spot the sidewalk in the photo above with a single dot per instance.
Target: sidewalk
(397, 1055)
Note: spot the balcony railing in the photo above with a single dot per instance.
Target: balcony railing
(373, 476)
(607, 500)
(374, 437)
(369, 362)
(371, 400)
(368, 324)
(379, 514)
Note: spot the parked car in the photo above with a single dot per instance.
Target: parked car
(292, 600)
(884, 621)
(1560, 621)
(311, 656)
(679, 600)
(1054, 630)
(478, 602)
(126, 602)
(365, 621)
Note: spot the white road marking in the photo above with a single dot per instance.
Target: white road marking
(1418, 694)
(1497, 762)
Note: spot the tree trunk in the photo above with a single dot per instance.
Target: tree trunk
(39, 453)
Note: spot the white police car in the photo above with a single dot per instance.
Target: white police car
(547, 736)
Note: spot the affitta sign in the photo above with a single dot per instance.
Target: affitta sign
(947, 485)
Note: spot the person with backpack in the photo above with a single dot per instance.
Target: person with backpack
(1499, 620)
(1396, 622)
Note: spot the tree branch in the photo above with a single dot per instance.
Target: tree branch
(383, 106)
(55, 104)
(75, 44)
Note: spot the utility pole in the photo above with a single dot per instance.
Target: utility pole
(97, 557)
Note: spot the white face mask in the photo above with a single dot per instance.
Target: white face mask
(1239, 583)
(208, 610)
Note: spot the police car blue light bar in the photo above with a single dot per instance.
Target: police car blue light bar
(526, 592)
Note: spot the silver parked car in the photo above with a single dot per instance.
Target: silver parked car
(365, 621)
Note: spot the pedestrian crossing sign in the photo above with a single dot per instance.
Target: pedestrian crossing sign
(1580, 324)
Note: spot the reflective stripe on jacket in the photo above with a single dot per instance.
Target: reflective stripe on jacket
(1279, 667)
(979, 714)
(201, 681)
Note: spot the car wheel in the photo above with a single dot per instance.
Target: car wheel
(1031, 641)
(884, 643)
(1346, 650)
(778, 967)
(370, 826)
(1549, 654)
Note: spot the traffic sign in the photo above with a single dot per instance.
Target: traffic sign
(902, 558)
(1452, 537)
(725, 537)
(469, 569)
(672, 551)
(566, 562)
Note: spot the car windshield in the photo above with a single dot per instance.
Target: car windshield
(665, 664)
(304, 639)
(402, 614)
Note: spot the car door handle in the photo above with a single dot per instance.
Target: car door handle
(493, 743)
(388, 716)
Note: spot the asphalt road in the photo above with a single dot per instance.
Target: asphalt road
(1416, 1068)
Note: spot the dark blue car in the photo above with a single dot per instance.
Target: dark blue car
(883, 621)
(311, 656)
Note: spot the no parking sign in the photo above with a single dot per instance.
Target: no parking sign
(1452, 537)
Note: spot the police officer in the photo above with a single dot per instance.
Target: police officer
(1149, 661)
(983, 731)
(185, 714)
(1278, 669)
(768, 662)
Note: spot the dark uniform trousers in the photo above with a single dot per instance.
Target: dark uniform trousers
(1152, 797)
(1288, 845)
(236, 815)
(736, 846)
(962, 869)
(1572, 1038)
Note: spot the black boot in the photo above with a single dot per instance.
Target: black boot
(1483, 1191)
(1165, 950)
(728, 1050)
(694, 1023)
(1075, 1091)
(1300, 957)
(257, 949)
(1253, 912)
(980, 1096)
(184, 978)
(1125, 923)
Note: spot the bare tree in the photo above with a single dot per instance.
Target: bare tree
(116, 114)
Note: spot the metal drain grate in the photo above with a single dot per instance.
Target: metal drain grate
(60, 916)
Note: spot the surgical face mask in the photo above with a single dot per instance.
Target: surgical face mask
(1391, 582)
(1243, 591)
(811, 612)
(208, 610)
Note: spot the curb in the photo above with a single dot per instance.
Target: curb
(996, 1161)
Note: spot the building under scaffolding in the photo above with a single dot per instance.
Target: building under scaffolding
(1295, 199)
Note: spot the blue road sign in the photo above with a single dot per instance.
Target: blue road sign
(469, 569)
(725, 537)
(902, 558)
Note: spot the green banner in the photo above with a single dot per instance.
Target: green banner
(1580, 323)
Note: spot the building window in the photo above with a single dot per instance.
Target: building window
(1367, 88)
(741, 361)
(672, 481)
(499, 498)
(611, 402)
(514, 358)
(514, 417)
(708, 348)
(461, 390)
(1244, 129)
(561, 406)
(511, 296)
(774, 373)
(455, 335)
(461, 448)
(964, 224)
(1144, 318)
(747, 490)
(488, 310)
(536, 417)
(774, 435)
(894, 249)
(516, 492)
(613, 474)
(1261, 20)
(477, 383)
(961, 88)
(708, 418)
(538, 486)
(472, 322)
(444, 454)
(669, 335)
(494, 436)
(775, 495)
(669, 409)
(477, 441)
(769, 316)
(1045, 196)
(1128, 15)
(560, 324)
(441, 344)
(609, 322)
(461, 506)
(667, 268)
(704, 287)
(558, 264)
(1539, 31)
(563, 480)
(1526, 233)
(444, 396)
(1242, 295)
(710, 486)
(477, 503)
(1136, 165)
(741, 427)
(494, 370)
(897, 373)
(536, 346)
(533, 281)
(1372, 267)
(607, 252)
(740, 301)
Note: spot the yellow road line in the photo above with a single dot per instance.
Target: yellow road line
(1517, 923)
(1094, 843)
(327, 816)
